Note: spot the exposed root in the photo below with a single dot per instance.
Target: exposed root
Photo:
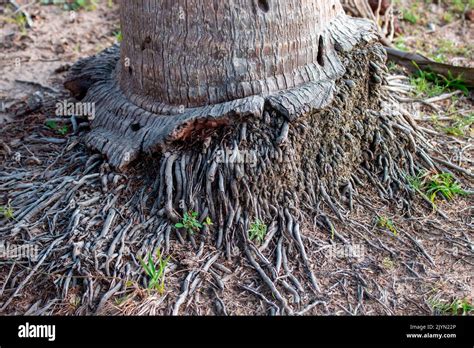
(302, 174)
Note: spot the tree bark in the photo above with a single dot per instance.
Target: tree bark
(197, 53)
(191, 65)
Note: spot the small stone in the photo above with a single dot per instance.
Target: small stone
(431, 27)
(376, 79)
(59, 49)
(350, 83)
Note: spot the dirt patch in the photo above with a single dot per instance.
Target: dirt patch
(35, 59)
(441, 30)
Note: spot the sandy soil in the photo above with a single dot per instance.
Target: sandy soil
(442, 31)
(36, 58)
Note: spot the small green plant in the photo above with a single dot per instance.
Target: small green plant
(463, 306)
(118, 36)
(75, 301)
(121, 300)
(460, 126)
(400, 43)
(457, 307)
(155, 271)
(20, 21)
(208, 221)
(423, 85)
(431, 84)
(409, 15)
(386, 223)
(433, 185)
(190, 222)
(392, 66)
(63, 130)
(257, 231)
(460, 5)
(452, 82)
(7, 212)
(443, 184)
(448, 17)
(51, 124)
(387, 263)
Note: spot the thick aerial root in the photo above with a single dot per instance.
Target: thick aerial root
(104, 233)
(292, 174)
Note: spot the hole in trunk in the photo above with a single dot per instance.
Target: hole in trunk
(321, 51)
(264, 5)
(146, 42)
(135, 127)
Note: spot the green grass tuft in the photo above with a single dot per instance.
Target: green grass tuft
(443, 185)
(7, 212)
(433, 186)
(257, 231)
(457, 307)
(155, 270)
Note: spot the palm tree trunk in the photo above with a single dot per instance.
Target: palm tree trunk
(209, 52)
(202, 64)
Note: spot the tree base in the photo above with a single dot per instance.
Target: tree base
(278, 159)
(126, 125)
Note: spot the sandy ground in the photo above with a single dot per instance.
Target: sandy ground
(442, 30)
(34, 57)
(429, 262)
